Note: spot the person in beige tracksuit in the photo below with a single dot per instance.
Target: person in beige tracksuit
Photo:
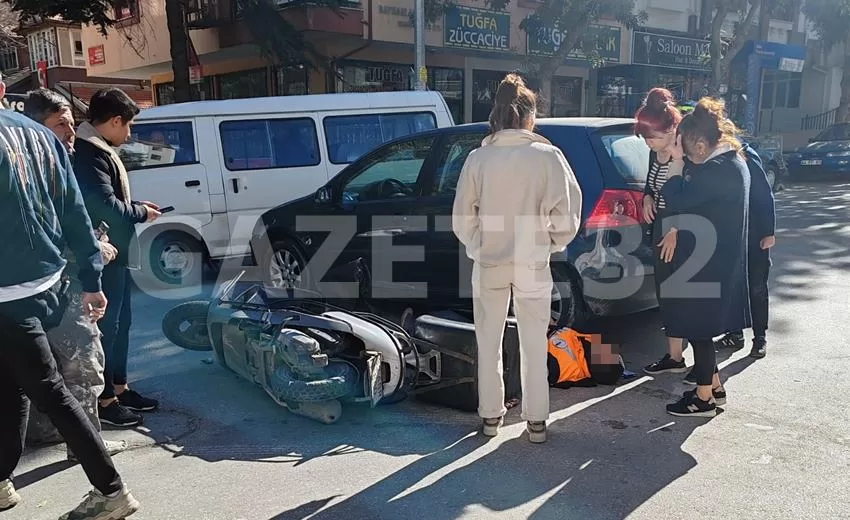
(517, 202)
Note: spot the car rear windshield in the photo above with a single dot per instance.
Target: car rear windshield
(629, 153)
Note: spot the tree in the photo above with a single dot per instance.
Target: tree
(831, 19)
(723, 46)
(279, 41)
(564, 23)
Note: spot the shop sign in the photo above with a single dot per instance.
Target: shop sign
(670, 51)
(604, 39)
(97, 56)
(471, 28)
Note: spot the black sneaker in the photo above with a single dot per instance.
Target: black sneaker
(719, 395)
(665, 364)
(692, 406)
(759, 349)
(733, 340)
(117, 415)
(134, 401)
(691, 378)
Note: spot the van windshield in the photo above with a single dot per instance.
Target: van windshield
(630, 155)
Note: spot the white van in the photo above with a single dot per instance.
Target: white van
(221, 164)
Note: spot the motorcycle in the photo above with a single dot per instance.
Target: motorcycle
(308, 355)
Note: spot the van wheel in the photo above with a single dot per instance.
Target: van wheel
(285, 267)
(176, 258)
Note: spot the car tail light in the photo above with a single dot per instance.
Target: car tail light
(617, 208)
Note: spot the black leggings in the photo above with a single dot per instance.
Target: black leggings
(705, 361)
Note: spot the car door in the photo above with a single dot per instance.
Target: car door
(384, 192)
(449, 269)
(266, 161)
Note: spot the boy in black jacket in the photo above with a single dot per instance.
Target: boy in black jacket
(106, 190)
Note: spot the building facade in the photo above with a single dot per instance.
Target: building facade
(368, 46)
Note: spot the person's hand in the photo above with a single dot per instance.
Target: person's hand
(153, 213)
(94, 305)
(649, 208)
(668, 245)
(109, 252)
(768, 242)
(677, 153)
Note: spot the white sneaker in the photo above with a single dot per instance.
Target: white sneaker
(97, 506)
(8, 496)
(112, 448)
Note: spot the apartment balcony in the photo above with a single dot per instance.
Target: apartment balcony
(208, 14)
(306, 16)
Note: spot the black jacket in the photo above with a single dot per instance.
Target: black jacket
(762, 202)
(98, 177)
(708, 293)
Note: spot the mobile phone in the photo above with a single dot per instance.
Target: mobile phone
(102, 229)
(166, 209)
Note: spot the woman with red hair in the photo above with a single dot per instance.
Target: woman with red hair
(658, 119)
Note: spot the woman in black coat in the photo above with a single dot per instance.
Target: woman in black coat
(709, 286)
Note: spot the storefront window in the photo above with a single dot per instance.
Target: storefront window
(449, 83)
(389, 77)
(781, 89)
(566, 97)
(373, 77)
(200, 91)
(484, 86)
(291, 81)
(244, 84)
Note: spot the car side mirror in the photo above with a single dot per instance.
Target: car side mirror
(323, 195)
(811, 139)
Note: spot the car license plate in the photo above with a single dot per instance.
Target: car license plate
(811, 162)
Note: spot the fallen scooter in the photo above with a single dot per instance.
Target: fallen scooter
(307, 354)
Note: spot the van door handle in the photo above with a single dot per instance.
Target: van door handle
(193, 183)
(235, 185)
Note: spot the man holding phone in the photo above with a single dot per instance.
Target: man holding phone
(106, 189)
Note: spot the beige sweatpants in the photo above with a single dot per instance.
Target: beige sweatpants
(532, 296)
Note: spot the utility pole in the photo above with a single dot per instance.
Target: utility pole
(419, 42)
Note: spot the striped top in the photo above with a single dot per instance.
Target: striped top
(655, 180)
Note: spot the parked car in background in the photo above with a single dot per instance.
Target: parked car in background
(769, 149)
(401, 194)
(826, 155)
(222, 163)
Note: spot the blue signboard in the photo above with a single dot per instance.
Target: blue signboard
(603, 39)
(471, 28)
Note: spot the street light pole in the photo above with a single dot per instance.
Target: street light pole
(419, 43)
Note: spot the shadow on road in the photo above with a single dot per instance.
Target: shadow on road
(813, 232)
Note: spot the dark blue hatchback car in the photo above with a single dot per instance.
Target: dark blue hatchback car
(827, 154)
(392, 209)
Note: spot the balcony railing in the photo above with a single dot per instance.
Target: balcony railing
(204, 14)
(818, 121)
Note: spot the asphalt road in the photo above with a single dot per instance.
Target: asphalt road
(221, 450)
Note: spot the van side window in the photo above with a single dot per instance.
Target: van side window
(258, 144)
(154, 145)
(349, 137)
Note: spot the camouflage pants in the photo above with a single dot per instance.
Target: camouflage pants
(79, 357)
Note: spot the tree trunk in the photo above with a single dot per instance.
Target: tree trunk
(175, 14)
(843, 113)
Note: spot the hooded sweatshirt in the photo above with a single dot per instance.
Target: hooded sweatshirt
(517, 201)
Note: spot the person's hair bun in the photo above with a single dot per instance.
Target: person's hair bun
(710, 108)
(658, 99)
(509, 88)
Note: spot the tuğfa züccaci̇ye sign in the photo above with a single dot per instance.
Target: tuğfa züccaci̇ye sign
(472, 28)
